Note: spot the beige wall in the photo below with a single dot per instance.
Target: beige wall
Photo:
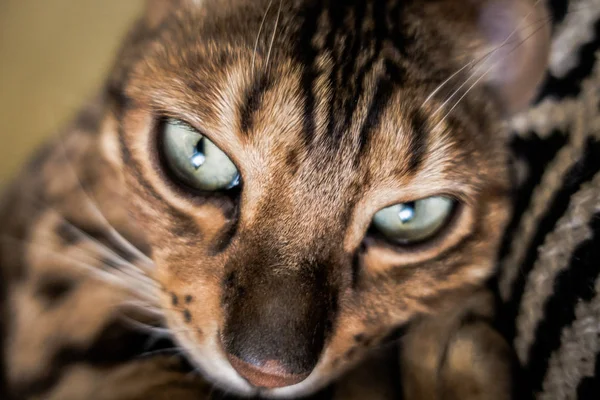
(53, 55)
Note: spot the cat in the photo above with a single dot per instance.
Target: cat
(286, 185)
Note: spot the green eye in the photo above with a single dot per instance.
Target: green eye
(419, 220)
(196, 160)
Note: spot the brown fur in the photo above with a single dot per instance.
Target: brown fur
(328, 121)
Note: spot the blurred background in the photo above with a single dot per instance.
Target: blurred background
(53, 56)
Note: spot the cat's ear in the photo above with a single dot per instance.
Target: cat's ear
(516, 48)
(158, 10)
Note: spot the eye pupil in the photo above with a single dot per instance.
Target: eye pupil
(407, 212)
(198, 158)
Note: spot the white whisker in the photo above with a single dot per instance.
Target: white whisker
(173, 350)
(91, 204)
(137, 284)
(481, 65)
(480, 79)
(262, 23)
(274, 33)
(143, 305)
(444, 83)
(123, 265)
(160, 331)
(99, 246)
(129, 246)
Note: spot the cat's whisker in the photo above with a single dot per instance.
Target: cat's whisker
(99, 245)
(92, 204)
(178, 350)
(473, 74)
(148, 264)
(150, 308)
(112, 257)
(123, 266)
(262, 23)
(159, 312)
(175, 351)
(444, 83)
(159, 330)
(580, 8)
(126, 243)
(138, 286)
(143, 305)
(196, 371)
(504, 43)
(481, 78)
(471, 63)
(274, 33)
(103, 249)
(144, 308)
(155, 333)
(156, 305)
(480, 64)
(225, 393)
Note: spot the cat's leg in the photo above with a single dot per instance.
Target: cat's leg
(458, 356)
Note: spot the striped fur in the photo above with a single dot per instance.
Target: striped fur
(331, 111)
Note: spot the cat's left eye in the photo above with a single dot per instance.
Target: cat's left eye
(415, 221)
(195, 160)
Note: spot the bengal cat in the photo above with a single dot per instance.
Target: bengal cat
(283, 187)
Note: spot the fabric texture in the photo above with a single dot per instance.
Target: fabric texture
(549, 281)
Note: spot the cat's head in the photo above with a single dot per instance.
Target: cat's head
(312, 175)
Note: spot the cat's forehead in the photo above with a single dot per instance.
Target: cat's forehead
(310, 86)
(347, 37)
(340, 64)
(246, 103)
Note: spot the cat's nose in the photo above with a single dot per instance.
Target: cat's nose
(276, 327)
(269, 374)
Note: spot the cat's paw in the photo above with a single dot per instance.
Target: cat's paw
(461, 357)
(156, 378)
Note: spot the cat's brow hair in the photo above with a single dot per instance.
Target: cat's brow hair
(352, 55)
(347, 48)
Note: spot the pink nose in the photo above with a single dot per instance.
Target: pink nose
(271, 374)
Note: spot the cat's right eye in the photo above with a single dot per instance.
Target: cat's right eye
(412, 222)
(195, 160)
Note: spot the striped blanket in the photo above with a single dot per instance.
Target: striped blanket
(549, 282)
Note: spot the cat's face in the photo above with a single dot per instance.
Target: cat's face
(304, 187)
